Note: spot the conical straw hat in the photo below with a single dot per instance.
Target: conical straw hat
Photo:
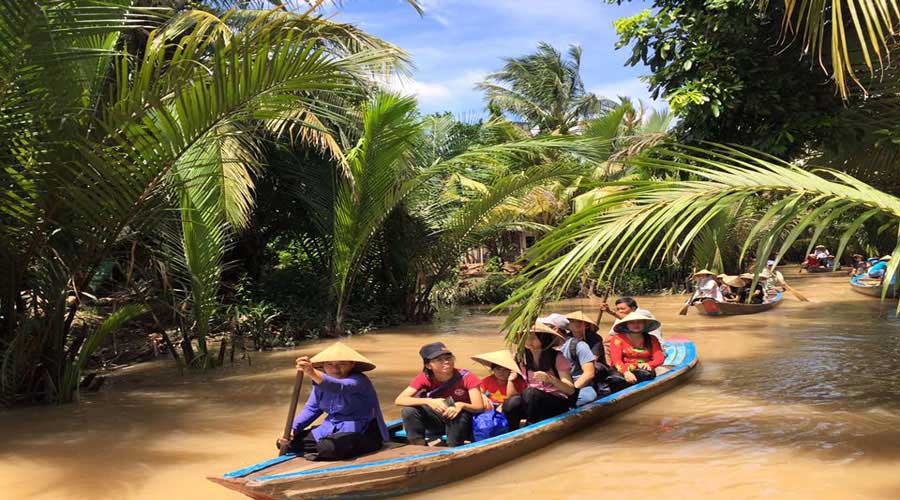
(539, 327)
(746, 276)
(500, 358)
(735, 281)
(580, 316)
(341, 352)
(704, 272)
(652, 324)
(886, 257)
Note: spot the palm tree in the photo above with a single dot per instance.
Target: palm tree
(395, 161)
(101, 141)
(544, 90)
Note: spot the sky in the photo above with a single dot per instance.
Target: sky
(457, 42)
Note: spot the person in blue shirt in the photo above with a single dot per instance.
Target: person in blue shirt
(353, 424)
(578, 354)
(878, 270)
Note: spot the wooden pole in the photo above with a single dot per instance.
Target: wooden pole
(295, 397)
(605, 296)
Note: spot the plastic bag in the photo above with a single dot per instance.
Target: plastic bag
(488, 424)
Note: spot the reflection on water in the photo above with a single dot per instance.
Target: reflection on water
(799, 402)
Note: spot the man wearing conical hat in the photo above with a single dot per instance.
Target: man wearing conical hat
(354, 425)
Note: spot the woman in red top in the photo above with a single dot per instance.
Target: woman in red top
(634, 353)
(441, 399)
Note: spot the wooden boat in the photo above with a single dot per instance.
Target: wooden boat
(401, 468)
(710, 307)
(870, 287)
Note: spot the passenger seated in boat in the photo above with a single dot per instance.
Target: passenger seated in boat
(586, 329)
(547, 375)
(757, 294)
(504, 381)
(774, 273)
(624, 307)
(578, 353)
(811, 262)
(769, 283)
(879, 268)
(737, 287)
(858, 261)
(441, 399)
(354, 425)
(724, 289)
(634, 353)
(823, 256)
(706, 286)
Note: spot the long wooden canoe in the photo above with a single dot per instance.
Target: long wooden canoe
(872, 288)
(710, 307)
(401, 468)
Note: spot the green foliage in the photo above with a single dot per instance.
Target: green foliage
(493, 265)
(103, 142)
(726, 75)
(68, 388)
(659, 221)
(492, 289)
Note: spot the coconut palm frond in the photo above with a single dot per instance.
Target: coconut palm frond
(382, 175)
(843, 31)
(657, 220)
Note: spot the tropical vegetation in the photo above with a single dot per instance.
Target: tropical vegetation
(212, 174)
(695, 187)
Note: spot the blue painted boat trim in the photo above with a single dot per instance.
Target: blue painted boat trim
(259, 466)
(689, 356)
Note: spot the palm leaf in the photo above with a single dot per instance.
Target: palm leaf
(659, 220)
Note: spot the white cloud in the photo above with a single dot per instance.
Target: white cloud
(425, 91)
(433, 95)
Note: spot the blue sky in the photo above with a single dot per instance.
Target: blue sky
(458, 42)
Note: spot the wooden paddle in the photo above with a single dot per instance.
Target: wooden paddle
(793, 290)
(285, 444)
(684, 310)
(605, 297)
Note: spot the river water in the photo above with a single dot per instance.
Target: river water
(799, 402)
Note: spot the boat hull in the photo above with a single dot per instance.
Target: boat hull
(872, 290)
(394, 471)
(709, 307)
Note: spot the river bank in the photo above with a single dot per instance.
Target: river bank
(801, 401)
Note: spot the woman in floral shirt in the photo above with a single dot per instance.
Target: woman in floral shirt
(634, 353)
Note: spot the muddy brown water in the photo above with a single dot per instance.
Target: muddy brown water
(799, 402)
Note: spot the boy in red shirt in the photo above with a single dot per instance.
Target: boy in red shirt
(504, 381)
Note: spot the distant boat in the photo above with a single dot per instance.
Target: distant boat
(870, 286)
(401, 468)
(710, 307)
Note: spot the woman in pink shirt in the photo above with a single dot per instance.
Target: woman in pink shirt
(549, 382)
